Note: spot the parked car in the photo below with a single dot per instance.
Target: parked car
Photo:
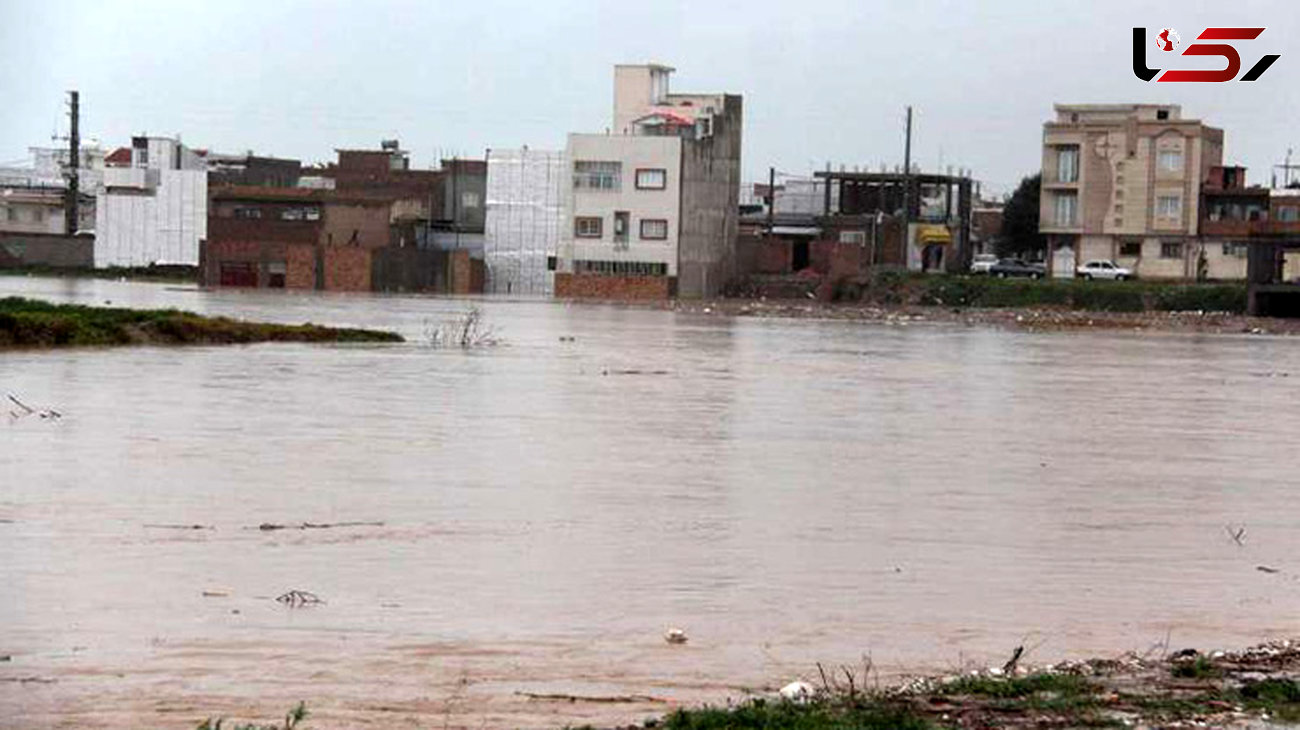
(1017, 267)
(982, 263)
(1103, 269)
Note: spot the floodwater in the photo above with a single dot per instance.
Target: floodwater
(787, 492)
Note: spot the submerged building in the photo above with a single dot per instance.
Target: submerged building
(650, 209)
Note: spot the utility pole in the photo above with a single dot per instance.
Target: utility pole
(71, 221)
(907, 176)
(1286, 169)
(771, 198)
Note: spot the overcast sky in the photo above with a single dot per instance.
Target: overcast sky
(823, 81)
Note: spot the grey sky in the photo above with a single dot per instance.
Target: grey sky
(822, 81)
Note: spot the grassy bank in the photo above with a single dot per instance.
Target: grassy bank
(1186, 689)
(32, 323)
(903, 288)
(157, 273)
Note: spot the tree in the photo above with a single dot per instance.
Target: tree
(1020, 234)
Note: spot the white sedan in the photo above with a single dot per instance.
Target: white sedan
(982, 263)
(1102, 269)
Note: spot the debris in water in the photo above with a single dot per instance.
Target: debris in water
(271, 526)
(591, 698)
(675, 636)
(27, 410)
(1266, 569)
(296, 598)
(797, 691)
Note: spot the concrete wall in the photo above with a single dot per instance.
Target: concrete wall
(710, 206)
(18, 249)
(623, 288)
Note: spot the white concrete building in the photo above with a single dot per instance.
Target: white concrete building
(153, 205)
(651, 209)
(33, 197)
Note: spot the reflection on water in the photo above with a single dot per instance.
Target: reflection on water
(786, 491)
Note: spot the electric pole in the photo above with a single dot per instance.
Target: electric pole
(72, 222)
(907, 175)
(771, 198)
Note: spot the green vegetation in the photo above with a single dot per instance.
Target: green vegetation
(1199, 668)
(1020, 236)
(291, 720)
(823, 714)
(153, 272)
(32, 323)
(897, 287)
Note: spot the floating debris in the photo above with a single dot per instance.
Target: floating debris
(296, 599)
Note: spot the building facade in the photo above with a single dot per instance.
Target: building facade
(651, 209)
(525, 200)
(152, 206)
(1124, 182)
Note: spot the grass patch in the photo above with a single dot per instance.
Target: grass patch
(862, 714)
(1199, 668)
(153, 272)
(1280, 698)
(33, 323)
(1018, 687)
(897, 287)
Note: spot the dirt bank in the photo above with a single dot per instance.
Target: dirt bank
(1029, 319)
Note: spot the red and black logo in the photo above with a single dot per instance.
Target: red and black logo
(1167, 40)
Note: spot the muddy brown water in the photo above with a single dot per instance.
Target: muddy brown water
(785, 491)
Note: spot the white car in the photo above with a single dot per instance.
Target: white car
(982, 263)
(1102, 269)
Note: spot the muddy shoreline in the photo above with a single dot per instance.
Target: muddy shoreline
(1030, 319)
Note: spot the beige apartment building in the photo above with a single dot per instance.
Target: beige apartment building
(1123, 182)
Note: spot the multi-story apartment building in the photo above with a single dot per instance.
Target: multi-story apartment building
(1124, 182)
(652, 209)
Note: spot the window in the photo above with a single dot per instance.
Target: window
(1171, 160)
(1130, 248)
(275, 274)
(1162, 114)
(854, 237)
(550, 263)
(1067, 164)
(38, 215)
(1288, 213)
(622, 219)
(469, 199)
(1171, 250)
(597, 175)
(654, 229)
(11, 214)
(248, 213)
(651, 179)
(1236, 249)
(1067, 205)
(620, 268)
(300, 214)
(1169, 206)
(586, 227)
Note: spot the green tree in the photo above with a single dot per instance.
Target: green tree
(1020, 236)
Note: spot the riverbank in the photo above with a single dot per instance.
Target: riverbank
(30, 323)
(1251, 688)
(1033, 319)
(167, 274)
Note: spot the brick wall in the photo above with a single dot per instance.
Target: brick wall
(344, 268)
(360, 225)
(623, 288)
(300, 266)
